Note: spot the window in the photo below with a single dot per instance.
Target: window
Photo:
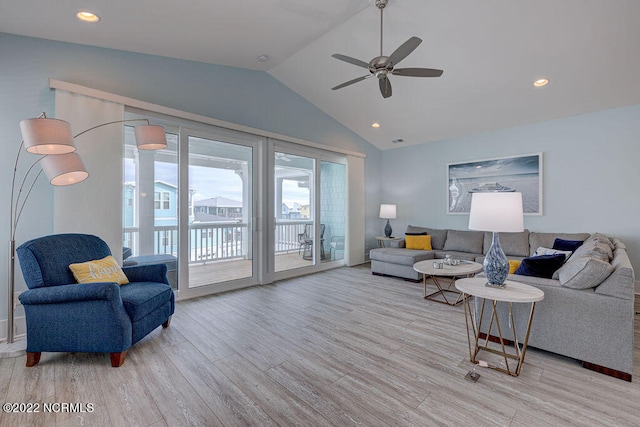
(161, 200)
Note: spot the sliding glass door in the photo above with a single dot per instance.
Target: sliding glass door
(219, 210)
(225, 209)
(309, 209)
(294, 211)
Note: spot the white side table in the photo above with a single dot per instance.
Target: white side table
(514, 292)
(382, 239)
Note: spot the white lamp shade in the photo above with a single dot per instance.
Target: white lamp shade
(150, 137)
(497, 212)
(388, 211)
(64, 169)
(47, 136)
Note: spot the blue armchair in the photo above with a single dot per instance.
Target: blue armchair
(63, 316)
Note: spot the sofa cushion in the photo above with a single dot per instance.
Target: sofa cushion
(540, 266)
(142, 298)
(620, 283)
(567, 245)
(438, 237)
(422, 242)
(514, 265)
(512, 244)
(546, 239)
(601, 238)
(594, 249)
(584, 272)
(464, 241)
(400, 256)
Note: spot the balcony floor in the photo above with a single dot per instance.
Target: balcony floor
(225, 270)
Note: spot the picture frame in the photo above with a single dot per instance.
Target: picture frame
(522, 173)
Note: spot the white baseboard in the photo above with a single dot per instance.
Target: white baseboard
(19, 328)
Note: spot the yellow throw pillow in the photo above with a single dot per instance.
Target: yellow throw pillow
(101, 270)
(513, 266)
(418, 242)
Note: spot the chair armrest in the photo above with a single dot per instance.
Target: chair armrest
(147, 273)
(71, 293)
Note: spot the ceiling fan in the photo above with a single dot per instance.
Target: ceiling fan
(381, 66)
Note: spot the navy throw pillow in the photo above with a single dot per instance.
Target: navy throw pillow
(541, 266)
(567, 245)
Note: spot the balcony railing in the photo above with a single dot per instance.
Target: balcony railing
(216, 241)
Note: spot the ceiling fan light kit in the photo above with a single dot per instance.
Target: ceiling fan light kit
(381, 66)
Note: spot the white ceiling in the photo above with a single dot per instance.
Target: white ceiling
(491, 51)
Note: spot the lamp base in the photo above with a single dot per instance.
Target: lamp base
(17, 348)
(387, 229)
(496, 264)
(496, 285)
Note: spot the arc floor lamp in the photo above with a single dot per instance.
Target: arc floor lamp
(53, 141)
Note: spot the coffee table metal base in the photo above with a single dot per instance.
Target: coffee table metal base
(459, 296)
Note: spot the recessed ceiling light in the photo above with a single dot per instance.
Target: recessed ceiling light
(263, 58)
(541, 82)
(375, 125)
(87, 16)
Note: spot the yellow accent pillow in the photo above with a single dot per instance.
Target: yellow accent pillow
(513, 266)
(100, 270)
(418, 242)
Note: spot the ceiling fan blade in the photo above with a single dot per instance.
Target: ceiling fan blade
(417, 72)
(385, 87)
(350, 82)
(404, 50)
(351, 60)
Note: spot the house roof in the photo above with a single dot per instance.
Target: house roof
(490, 51)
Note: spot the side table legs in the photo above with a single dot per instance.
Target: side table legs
(442, 291)
(482, 343)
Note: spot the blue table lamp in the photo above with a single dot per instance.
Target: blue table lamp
(496, 212)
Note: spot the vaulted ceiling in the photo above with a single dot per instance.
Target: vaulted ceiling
(491, 51)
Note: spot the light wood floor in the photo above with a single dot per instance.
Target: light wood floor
(341, 347)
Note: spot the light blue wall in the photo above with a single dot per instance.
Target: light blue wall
(591, 175)
(251, 98)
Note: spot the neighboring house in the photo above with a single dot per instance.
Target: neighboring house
(165, 204)
(217, 209)
(291, 213)
(305, 211)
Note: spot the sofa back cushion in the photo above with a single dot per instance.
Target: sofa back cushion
(464, 241)
(584, 272)
(513, 244)
(438, 237)
(546, 240)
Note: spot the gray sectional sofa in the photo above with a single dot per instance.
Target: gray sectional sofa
(588, 309)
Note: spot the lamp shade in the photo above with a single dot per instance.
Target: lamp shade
(150, 137)
(497, 212)
(64, 169)
(387, 211)
(47, 136)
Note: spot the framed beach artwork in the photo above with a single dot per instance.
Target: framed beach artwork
(517, 173)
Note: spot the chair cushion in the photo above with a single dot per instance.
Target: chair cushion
(141, 298)
(99, 270)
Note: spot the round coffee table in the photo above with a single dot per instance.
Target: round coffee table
(513, 292)
(428, 270)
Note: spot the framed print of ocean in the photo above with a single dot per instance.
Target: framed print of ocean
(516, 173)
